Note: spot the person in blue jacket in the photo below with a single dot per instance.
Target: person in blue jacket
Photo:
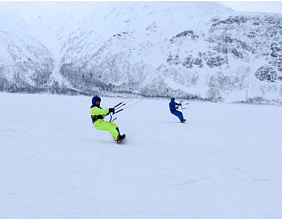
(173, 106)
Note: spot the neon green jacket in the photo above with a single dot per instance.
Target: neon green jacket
(98, 112)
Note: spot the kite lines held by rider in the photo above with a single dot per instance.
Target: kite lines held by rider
(97, 116)
(173, 106)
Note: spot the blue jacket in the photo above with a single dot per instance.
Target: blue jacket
(173, 105)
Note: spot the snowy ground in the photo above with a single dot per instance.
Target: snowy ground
(225, 162)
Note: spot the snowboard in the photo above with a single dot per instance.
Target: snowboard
(121, 139)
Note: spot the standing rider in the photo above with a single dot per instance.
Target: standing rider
(173, 109)
(97, 116)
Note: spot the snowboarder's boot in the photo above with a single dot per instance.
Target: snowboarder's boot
(120, 138)
(183, 121)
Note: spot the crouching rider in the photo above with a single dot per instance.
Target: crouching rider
(173, 106)
(97, 116)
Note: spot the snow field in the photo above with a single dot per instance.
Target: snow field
(225, 162)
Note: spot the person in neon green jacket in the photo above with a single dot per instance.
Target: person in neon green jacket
(97, 116)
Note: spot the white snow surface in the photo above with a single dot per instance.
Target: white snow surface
(225, 162)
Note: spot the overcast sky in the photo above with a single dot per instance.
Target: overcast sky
(255, 6)
(248, 6)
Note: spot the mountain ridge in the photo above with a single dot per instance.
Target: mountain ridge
(186, 49)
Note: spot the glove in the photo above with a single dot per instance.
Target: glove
(112, 110)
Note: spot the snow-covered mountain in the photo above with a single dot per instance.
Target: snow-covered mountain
(184, 49)
(25, 63)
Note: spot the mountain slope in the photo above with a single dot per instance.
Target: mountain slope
(25, 61)
(124, 47)
(217, 55)
(185, 49)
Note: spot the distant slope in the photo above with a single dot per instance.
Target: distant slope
(25, 61)
(197, 50)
